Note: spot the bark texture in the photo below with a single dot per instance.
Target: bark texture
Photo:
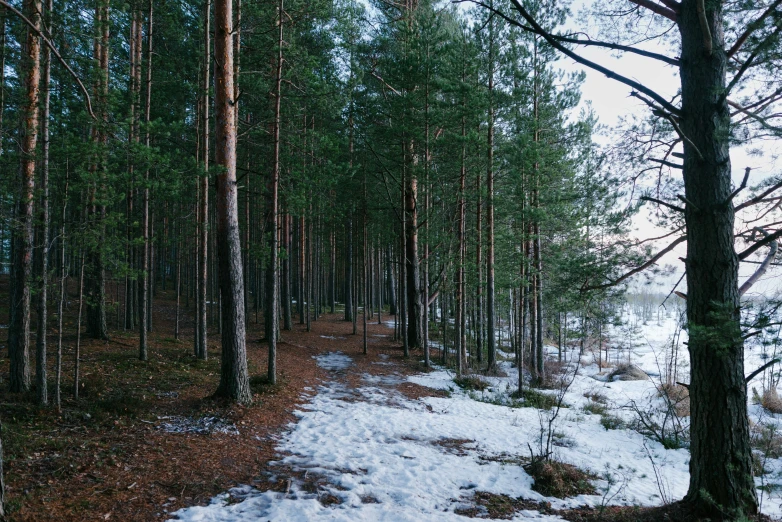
(234, 380)
(19, 328)
(721, 482)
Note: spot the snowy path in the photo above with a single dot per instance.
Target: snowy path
(385, 458)
(380, 456)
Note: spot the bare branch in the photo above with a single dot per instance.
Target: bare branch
(537, 29)
(667, 163)
(756, 372)
(749, 61)
(663, 203)
(56, 53)
(743, 184)
(638, 269)
(760, 244)
(657, 8)
(673, 5)
(760, 197)
(755, 116)
(763, 266)
(707, 44)
(577, 41)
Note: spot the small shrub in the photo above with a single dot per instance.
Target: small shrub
(559, 479)
(612, 422)
(595, 408)
(758, 469)
(596, 396)
(92, 385)
(471, 382)
(535, 399)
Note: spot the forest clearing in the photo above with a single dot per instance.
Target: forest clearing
(390, 260)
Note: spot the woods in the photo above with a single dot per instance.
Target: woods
(200, 171)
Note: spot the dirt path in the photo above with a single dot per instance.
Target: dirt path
(146, 438)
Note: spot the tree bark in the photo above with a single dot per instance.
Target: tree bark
(721, 481)
(19, 329)
(272, 288)
(201, 347)
(41, 383)
(287, 313)
(144, 283)
(491, 340)
(234, 379)
(97, 327)
(414, 310)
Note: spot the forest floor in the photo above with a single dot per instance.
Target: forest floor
(147, 438)
(342, 436)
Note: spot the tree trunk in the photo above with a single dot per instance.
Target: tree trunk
(234, 380)
(41, 384)
(201, 347)
(61, 302)
(491, 340)
(19, 329)
(390, 281)
(349, 269)
(272, 288)
(144, 291)
(97, 327)
(287, 313)
(77, 349)
(2, 75)
(2, 476)
(414, 311)
(721, 481)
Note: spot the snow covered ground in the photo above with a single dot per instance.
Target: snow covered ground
(389, 458)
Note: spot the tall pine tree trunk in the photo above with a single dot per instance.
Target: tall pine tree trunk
(201, 350)
(414, 310)
(491, 340)
(234, 380)
(272, 287)
(95, 284)
(144, 284)
(41, 384)
(19, 329)
(721, 463)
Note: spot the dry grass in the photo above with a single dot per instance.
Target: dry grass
(679, 397)
(559, 479)
(771, 401)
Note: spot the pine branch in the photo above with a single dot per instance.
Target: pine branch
(752, 27)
